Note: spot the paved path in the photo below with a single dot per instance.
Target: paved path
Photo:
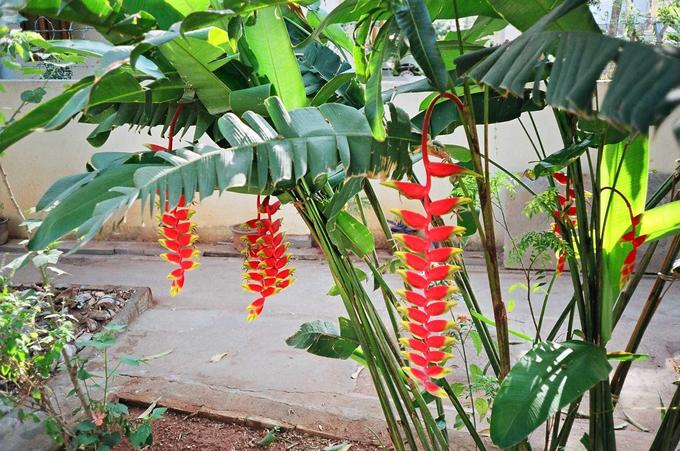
(261, 375)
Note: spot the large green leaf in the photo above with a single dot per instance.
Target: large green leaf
(473, 39)
(466, 8)
(522, 15)
(193, 58)
(636, 97)
(556, 161)
(269, 42)
(375, 108)
(547, 378)
(660, 222)
(325, 339)
(115, 23)
(307, 142)
(348, 234)
(416, 25)
(87, 206)
(624, 167)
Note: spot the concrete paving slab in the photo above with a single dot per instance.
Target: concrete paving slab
(261, 375)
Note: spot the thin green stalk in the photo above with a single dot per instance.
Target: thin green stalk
(310, 214)
(377, 209)
(545, 303)
(560, 320)
(464, 417)
(563, 436)
(462, 281)
(668, 435)
(469, 381)
(489, 243)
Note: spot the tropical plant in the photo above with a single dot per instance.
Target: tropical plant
(293, 121)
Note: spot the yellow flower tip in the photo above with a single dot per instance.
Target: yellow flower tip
(439, 393)
(404, 342)
(403, 310)
(459, 230)
(445, 372)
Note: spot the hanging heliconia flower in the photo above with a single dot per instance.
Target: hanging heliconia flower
(177, 232)
(427, 272)
(178, 237)
(566, 211)
(636, 241)
(266, 258)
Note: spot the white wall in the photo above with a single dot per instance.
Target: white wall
(37, 161)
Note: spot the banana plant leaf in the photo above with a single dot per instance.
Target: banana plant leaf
(307, 142)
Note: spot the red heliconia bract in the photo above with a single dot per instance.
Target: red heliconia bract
(176, 230)
(635, 241)
(178, 237)
(266, 259)
(427, 273)
(566, 211)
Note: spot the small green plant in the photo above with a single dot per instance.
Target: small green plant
(38, 342)
(109, 421)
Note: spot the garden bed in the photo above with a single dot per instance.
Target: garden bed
(182, 431)
(94, 306)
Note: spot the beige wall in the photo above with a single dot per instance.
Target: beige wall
(40, 159)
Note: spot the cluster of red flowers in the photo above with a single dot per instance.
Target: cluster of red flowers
(427, 272)
(178, 237)
(566, 212)
(176, 230)
(265, 271)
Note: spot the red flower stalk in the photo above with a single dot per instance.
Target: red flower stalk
(266, 260)
(427, 270)
(176, 230)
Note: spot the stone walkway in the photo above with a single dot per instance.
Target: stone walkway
(261, 375)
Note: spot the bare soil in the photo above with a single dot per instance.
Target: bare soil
(185, 432)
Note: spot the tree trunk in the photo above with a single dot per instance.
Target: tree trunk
(614, 17)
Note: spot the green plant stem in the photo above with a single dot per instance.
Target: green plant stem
(565, 431)
(545, 303)
(317, 228)
(381, 355)
(489, 243)
(71, 369)
(668, 435)
(560, 320)
(464, 417)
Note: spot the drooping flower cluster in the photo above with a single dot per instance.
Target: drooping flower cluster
(428, 269)
(177, 232)
(565, 212)
(266, 258)
(178, 237)
(636, 241)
